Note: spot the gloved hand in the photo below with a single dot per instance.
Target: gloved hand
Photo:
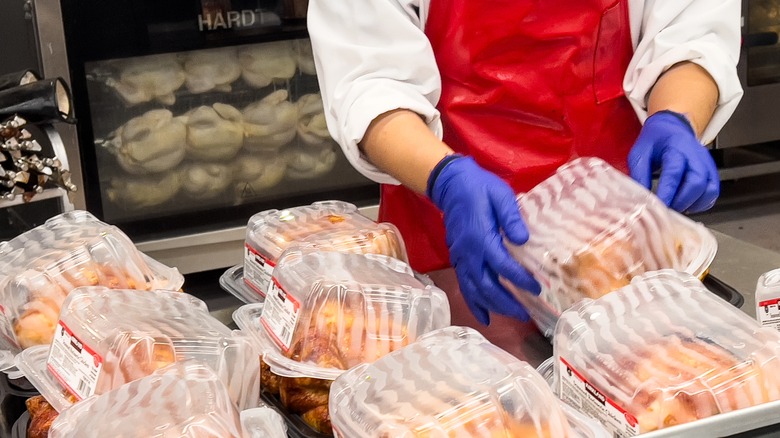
(477, 207)
(689, 180)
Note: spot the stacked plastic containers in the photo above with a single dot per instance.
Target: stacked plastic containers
(183, 400)
(39, 268)
(451, 383)
(327, 225)
(330, 311)
(592, 229)
(660, 352)
(106, 339)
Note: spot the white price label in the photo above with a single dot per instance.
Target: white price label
(280, 315)
(257, 270)
(578, 392)
(768, 313)
(75, 365)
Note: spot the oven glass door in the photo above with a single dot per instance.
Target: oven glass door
(200, 113)
(763, 50)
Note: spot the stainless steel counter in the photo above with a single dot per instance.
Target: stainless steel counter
(739, 264)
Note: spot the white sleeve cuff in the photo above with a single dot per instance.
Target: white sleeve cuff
(709, 57)
(369, 99)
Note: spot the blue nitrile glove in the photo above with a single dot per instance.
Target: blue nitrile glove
(477, 207)
(689, 180)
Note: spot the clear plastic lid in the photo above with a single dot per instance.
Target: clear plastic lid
(663, 351)
(592, 229)
(769, 282)
(232, 281)
(181, 400)
(105, 340)
(330, 311)
(381, 238)
(270, 232)
(39, 268)
(263, 422)
(450, 383)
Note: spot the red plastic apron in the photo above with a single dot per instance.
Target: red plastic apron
(527, 85)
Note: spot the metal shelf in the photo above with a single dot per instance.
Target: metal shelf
(47, 194)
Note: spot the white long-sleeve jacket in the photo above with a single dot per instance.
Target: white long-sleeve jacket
(372, 56)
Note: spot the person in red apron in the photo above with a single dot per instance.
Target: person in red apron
(519, 87)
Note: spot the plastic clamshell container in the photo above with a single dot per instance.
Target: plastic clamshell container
(271, 232)
(116, 338)
(232, 282)
(451, 383)
(39, 268)
(728, 424)
(768, 299)
(770, 281)
(263, 422)
(380, 238)
(661, 352)
(592, 229)
(331, 311)
(181, 400)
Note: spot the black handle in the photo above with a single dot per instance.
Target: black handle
(42, 101)
(759, 39)
(23, 77)
(723, 290)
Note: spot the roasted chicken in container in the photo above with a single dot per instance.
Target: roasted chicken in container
(270, 232)
(186, 400)
(329, 312)
(661, 352)
(592, 229)
(451, 383)
(116, 337)
(259, 422)
(42, 415)
(39, 268)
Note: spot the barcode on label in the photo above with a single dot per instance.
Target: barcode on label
(73, 363)
(257, 270)
(83, 386)
(280, 315)
(576, 390)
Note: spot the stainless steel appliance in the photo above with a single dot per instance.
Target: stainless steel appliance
(757, 119)
(192, 115)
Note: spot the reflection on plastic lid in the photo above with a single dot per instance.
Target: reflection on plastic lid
(665, 351)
